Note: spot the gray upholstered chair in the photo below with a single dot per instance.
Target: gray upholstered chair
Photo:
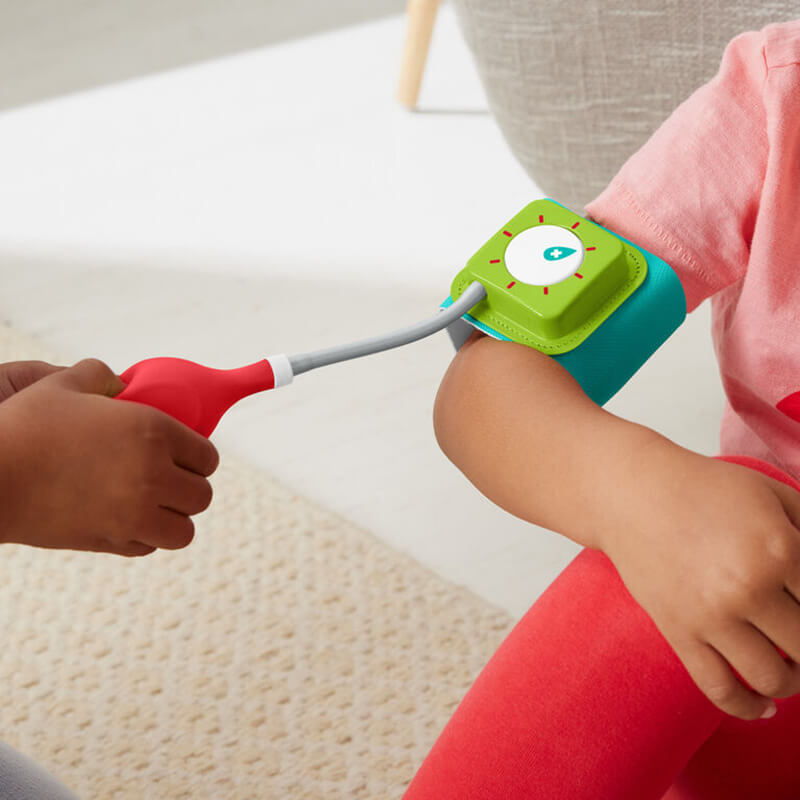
(577, 87)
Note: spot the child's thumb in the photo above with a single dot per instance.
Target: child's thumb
(91, 376)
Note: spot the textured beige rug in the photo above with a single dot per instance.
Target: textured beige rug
(284, 654)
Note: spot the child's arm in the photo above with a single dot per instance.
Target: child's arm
(709, 549)
(522, 430)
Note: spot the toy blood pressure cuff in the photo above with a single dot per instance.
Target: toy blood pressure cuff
(569, 287)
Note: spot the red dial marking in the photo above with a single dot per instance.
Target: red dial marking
(545, 290)
(575, 225)
(506, 233)
(578, 275)
(495, 261)
(591, 248)
(510, 284)
(541, 217)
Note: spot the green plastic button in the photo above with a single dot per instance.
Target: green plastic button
(551, 277)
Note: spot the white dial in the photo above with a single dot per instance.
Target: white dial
(544, 255)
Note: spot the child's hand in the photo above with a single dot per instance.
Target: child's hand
(711, 551)
(16, 375)
(79, 471)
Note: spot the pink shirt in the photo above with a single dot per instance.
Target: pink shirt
(715, 192)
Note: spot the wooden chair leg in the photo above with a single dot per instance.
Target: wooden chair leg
(421, 16)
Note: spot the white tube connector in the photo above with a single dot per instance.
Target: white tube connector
(281, 369)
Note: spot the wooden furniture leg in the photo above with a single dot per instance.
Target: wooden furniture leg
(421, 17)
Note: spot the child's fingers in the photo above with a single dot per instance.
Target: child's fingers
(192, 451)
(757, 661)
(167, 529)
(779, 621)
(133, 550)
(716, 680)
(91, 376)
(106, 545)
(18, 375)
(186, 492)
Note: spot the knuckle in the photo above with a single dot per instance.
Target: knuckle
(781, 545)
(151, 480)
(90, 363)
(727, 579)
(147, 422)
(151, 426)
(752, 589)
(743, 585)
(92, 366)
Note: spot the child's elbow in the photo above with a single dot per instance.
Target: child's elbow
(442, 416)
(454, 408)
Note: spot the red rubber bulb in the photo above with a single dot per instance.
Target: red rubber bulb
(196, 395)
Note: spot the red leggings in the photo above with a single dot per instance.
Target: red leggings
(586, 700)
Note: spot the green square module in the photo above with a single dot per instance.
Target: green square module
(551, 277)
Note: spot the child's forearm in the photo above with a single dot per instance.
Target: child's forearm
(524, 432)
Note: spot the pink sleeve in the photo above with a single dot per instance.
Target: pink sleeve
(691, 193)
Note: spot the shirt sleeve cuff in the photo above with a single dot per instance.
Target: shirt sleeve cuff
(617, 209)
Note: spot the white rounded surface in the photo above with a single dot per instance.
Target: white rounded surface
(281, 369)
(544, 255)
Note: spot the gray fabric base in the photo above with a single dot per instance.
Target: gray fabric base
(577, 88)
(22, 779)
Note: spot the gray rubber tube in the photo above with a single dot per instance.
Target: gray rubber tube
(304, 362)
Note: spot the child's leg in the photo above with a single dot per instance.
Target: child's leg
(746, 760)
(584, 699)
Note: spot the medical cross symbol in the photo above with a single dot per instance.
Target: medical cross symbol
(556, 253)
